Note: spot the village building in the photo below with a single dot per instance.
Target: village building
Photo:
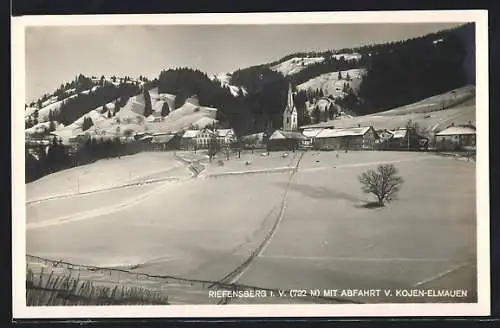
(310, 134)
(456, 138)
(290, 113)
(189, 140)
(360, 138)
(401, 139)
(286, 140)
(225, 137)
(165, 141)
(204, 138)
(289, 138)
(398, 140)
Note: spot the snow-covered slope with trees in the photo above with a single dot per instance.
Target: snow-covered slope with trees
(333, 83)
(295, 65)
(224, 79)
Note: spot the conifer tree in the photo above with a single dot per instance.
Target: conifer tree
(165, 110)
(316, 114)
(148, 110)
(87, 123)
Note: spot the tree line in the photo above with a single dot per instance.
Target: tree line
(57, 157)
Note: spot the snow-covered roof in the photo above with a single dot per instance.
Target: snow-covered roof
(191, 134)
(279, 134)
(333, 133)
(162, 138)
(224, 132)
(32, 142)
(311, 133)
(456, 130)
(398, 134)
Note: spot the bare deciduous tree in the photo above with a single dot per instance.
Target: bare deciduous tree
(382, 182)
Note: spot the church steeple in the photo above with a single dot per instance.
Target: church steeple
(290, 97)
(290, 112)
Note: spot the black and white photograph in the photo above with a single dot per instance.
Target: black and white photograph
(323, 164)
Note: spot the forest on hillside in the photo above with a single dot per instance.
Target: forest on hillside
(408, 71)
(72, 109)
(259, 110)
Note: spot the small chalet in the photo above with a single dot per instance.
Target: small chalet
(348, 138)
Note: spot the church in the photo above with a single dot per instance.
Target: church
(289, 138)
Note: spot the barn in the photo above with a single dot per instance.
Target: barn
(359, 138)
(285, 140)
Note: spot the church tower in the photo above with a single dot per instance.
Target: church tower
(290, 113)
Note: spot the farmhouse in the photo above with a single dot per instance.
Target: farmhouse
(398, 140)
(401, 139)
(204, 137)
(456, 138)
(286, 140)
(349, 138)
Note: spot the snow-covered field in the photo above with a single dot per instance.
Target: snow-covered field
(258, 161)
(105, 173)
(196, 229)
(428, 230)
(204, 228)
(295, 65)
(330, 83)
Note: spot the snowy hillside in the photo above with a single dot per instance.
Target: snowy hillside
(187, 116)
(130, 118)
(295, 65)
(43, 113)
(330, 83)
(224, 79)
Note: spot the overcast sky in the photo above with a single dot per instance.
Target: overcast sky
(55, 55)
